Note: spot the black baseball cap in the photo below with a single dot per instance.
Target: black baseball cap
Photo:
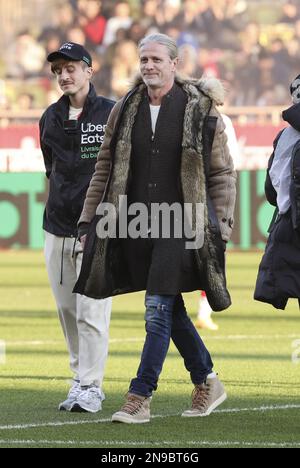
(72, 51)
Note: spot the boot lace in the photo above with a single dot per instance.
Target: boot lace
(200, 396)
(132, 405)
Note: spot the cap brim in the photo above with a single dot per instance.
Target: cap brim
(61, 55)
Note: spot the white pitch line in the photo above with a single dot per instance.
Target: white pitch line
(258, 409)
(110, 443)
(162, 416)
(61, 342)
(52, 424)
(138, 340)
(33, 343)
(251, 337)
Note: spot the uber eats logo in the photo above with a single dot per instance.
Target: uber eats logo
(22, 201)
(92, 134)
(92, 137)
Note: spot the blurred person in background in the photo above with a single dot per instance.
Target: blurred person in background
(51, 40)
(167, 13)
(187, 65)
(171, 9)
(71, 134)
(243, 89)
(280, 54)
(264, 82)
(64, 18)
(26, 57)
(149, 12)
(76, 34)
(293, 48)
(25, 101)
(190, 15)
(290, 12)
(101, 75)
(208, 63)
(136, 32)
(198, 18)
(230, 18)
(120, 20)
(125, 65)
(91, 20)
(250, 38)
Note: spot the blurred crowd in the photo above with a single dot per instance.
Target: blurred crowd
(254, 55)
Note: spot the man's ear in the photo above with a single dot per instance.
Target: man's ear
(175, 63)
(90, 72)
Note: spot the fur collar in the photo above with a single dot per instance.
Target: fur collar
(211, 87)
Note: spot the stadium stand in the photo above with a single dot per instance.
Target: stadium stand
(253, 46)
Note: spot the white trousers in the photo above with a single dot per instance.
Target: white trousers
(85, 321)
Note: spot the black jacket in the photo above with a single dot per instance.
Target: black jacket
(278, 277)
(70, 150)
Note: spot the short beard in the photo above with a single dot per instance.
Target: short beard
(68, 93)
(153, 86)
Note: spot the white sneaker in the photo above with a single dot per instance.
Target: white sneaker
(89, 400)
(75, 390)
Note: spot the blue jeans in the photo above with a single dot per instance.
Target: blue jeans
(166, 318)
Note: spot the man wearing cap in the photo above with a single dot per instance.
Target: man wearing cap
(71, 134)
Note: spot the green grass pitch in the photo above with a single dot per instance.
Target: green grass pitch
(252, 352)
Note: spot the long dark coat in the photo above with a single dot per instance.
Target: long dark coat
(104, 271)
